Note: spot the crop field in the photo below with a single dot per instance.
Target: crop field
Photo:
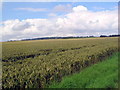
(100, 75)
(35, 64)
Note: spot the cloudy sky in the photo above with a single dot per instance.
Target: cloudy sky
(47, 19)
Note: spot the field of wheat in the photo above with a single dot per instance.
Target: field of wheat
(35, 64)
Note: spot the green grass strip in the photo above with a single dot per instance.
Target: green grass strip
(101, 75)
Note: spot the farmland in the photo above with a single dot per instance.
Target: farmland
(91, 77)
(33, 64)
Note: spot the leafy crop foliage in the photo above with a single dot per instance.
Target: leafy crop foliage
(101, 75)
(35, 64)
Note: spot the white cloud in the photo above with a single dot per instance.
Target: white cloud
(52, 15)
(98, 8)
(63, 8)
(21, 25)
(114, 8)
(102, 8)
(79, 9)
(32, 9)
(79, 22)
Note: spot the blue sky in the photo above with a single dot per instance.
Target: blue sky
(11, 11)
(23, 20)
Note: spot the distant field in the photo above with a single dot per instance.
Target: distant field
(36, 63)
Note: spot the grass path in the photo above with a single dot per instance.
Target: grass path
(101, 75)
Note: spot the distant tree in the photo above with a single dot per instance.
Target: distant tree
(103, 36)
(91, 36)
(114, 35)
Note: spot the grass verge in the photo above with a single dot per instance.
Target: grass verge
(101, 75)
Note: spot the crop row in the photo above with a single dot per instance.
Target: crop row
(26, 48)
(42, 52)
(37, 75)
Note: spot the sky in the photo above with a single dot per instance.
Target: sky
(21, 20)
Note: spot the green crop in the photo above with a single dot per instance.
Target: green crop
(33, 64)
